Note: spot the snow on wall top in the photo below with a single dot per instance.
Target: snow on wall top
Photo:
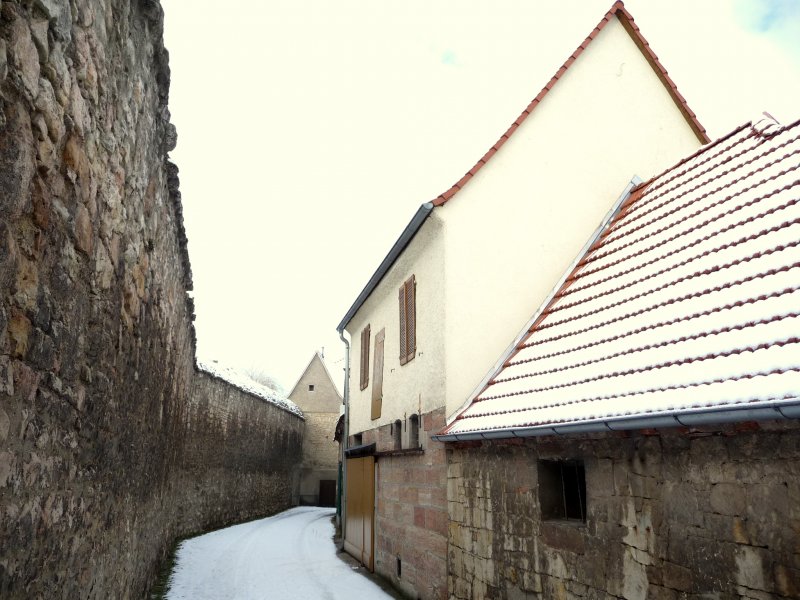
(688, 302)
(246, 384)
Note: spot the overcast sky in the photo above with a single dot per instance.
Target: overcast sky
(309, 131)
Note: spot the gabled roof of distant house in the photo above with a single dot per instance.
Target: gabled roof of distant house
(616, 11)
(686, 310)
(316, 356)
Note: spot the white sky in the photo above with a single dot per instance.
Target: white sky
(310, 131)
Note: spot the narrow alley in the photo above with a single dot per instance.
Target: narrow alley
(287, 556)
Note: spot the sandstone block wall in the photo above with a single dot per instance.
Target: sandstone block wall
(683, 514)
(411, 515)
(320, 455)
(100, 460)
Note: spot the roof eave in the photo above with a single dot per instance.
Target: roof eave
(397, 249)
(763, 411)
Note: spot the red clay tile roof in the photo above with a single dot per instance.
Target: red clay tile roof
(688, 304)
(625, 18)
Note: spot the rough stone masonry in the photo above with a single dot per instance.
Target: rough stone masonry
(111, 444)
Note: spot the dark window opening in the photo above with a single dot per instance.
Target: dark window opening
(399, 567)
(413, 431)
(397, 433)
(562, 490)
(358, 439)
(310, 387)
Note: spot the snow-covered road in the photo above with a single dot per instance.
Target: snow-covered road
(290, 555)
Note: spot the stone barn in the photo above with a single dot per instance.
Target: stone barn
(640, 438)
(320, 401)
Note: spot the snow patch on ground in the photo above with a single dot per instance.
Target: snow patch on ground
(287, 556)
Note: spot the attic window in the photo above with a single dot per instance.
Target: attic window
(310, 387)
(562, 490)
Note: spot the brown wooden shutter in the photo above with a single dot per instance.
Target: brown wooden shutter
(377, 373)
(408, 320)
(411, 318)
(365, 357)
(403, 343)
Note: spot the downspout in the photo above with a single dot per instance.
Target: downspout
(346, 432)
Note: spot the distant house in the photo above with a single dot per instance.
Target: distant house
(320, 401)
(640, 439)
(454, 288)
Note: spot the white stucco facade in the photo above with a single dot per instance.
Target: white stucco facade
(520, 222)
(419, 385)
(507, 237)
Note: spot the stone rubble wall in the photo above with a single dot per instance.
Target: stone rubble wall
(111, 445)
(684, 514)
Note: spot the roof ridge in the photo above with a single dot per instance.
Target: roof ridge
(626, 19)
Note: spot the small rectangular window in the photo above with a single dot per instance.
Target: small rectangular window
(562, 490)
(365, 357)
(408, 320)
(310, 387)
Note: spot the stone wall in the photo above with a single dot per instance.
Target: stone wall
(320, 455)
(411, 515)
(101, 463)
(680, 514)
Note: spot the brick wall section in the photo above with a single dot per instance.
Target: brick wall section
(411, 516)
(105, 456)
(699, 514)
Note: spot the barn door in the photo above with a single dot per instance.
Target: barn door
(359, 526)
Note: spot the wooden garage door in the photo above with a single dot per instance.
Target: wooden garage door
(359, 526)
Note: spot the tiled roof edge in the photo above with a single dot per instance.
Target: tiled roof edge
(636, 35)
(751, 411)
(713, 144)
(618, 10)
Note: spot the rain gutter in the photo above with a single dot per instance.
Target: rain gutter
(405, 238)
(780, 410)
(346, 432)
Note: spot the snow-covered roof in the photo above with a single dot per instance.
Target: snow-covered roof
(687, 304)
(243, 382)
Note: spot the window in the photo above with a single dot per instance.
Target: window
(377, 372)
(408, 320)
(310, 387)
(365, 357)
(397, 433)
(413, 431)
(358, 439)
(562, 490)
